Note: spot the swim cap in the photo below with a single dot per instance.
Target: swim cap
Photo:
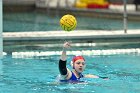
(75, 58)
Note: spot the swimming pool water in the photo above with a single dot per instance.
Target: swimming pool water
(39, 74)
(34, 69)
(33, 21)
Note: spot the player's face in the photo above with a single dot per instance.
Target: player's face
(79, 65)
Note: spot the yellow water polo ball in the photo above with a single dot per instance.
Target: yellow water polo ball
(68, 22)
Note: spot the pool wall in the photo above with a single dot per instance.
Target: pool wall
(77, 36)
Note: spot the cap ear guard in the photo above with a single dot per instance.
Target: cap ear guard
(71, 63)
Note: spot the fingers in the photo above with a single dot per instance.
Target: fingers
(67, 45)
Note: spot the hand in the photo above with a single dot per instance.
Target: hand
(66, 45)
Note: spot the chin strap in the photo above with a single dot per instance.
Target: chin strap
(77, 72)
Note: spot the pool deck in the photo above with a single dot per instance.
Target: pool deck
(81, 36)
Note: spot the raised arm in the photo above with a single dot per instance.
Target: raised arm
(65, 47)
(63, 58)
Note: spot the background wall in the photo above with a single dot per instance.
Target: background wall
(33, 1)
(19, 2)
(120, 1)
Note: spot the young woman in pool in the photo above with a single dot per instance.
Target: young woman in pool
(78, 63)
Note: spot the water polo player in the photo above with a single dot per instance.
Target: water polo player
(78, 64)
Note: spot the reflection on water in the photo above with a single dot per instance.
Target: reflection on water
(34, 21)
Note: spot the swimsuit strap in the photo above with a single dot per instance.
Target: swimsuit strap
(73, 77)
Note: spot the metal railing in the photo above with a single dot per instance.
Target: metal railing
(1, 39)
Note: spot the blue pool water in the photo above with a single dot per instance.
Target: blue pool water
(34, 68)
(22, 73)
(33, 21)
